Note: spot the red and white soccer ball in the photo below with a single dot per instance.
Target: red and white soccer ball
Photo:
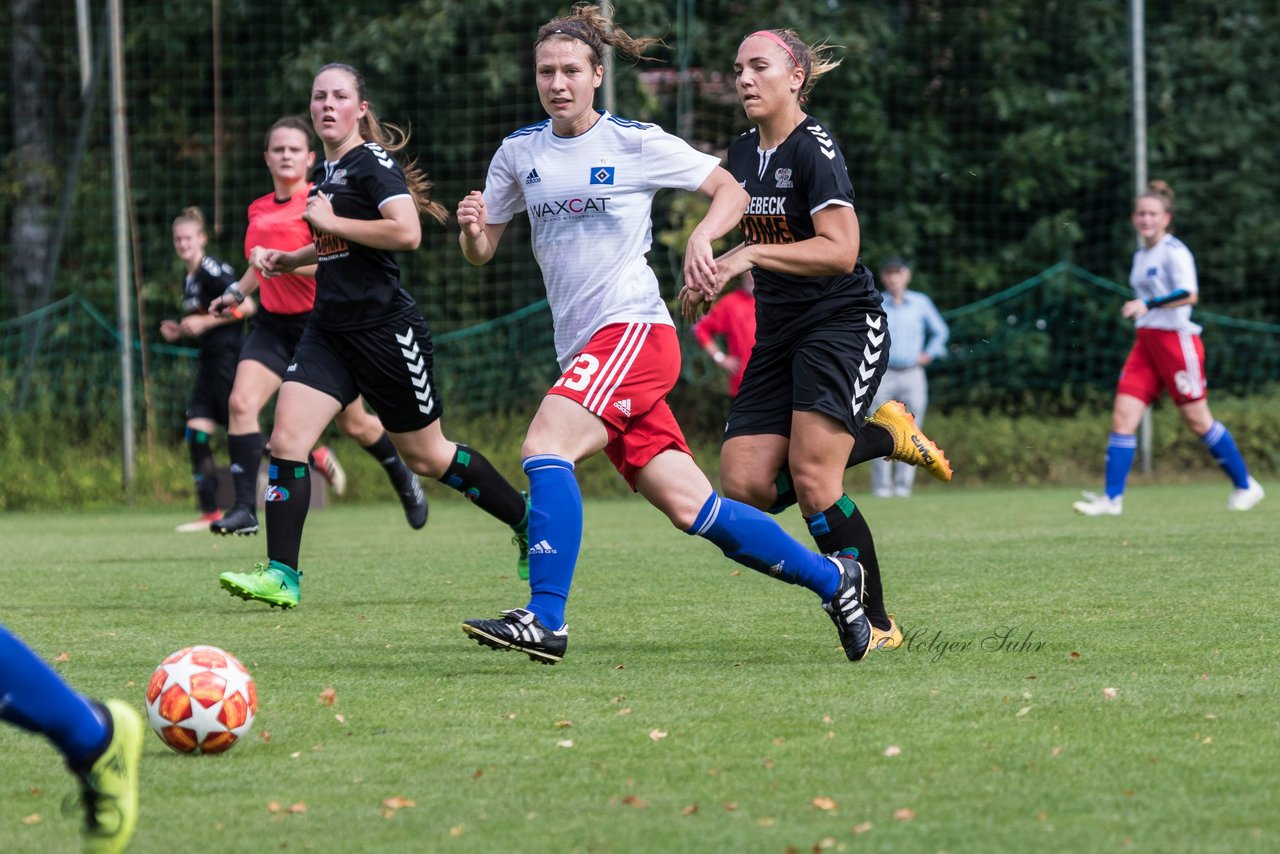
(201, 700)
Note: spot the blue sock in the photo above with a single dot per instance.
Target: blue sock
(36, 698)
(555, 535)
(1120, 450)
(1219, 442)
(751, 538)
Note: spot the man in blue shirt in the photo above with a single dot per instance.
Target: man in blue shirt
(917, 335)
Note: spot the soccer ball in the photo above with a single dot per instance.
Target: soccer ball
(201, 700)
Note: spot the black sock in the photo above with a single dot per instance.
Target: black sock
(874, 442)
(842, 526)
(385, 453)
(202, 470)
(288, 500)
(246, 454)
(476, 478)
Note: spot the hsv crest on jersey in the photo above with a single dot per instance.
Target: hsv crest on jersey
(782, 179)
(602, 174)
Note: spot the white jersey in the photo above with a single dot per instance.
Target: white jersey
(589, 200)
(1158, 272)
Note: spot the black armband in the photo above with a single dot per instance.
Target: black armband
(1161, 302)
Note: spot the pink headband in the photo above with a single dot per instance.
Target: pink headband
(773, 37)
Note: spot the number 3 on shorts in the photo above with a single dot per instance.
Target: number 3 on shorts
(579, 374)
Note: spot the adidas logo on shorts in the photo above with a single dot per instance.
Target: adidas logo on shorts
(623, 406)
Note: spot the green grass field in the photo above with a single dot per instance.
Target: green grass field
(699, 708)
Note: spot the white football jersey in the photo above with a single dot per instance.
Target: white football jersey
(1158, 272)
(589, 201)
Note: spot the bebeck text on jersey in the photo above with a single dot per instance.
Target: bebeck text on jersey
(766, 220)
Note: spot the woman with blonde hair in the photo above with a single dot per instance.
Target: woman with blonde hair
(1167, 355)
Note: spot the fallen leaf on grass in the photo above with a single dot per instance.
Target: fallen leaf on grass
(563, 724)
(1074, 654)
(862, 827)
(625, 711)
(825, 844)
(479, 773)
(735, 573)
(398, 802)
(1109, 693)
(1056, 751)
(731, 805)
(766, 821)
(274, 806)
(34, 818)
(826, 719)
(457, 830)
(565, 742)
(328, 697)
(657, 735)
(904, 814)
(264, 735)
(892, 750)
(340, 719)
(824, 803)
(295, 754)
(635, 801)
(1023, 712)
(298, 808)
(62, 656)
(689, 810)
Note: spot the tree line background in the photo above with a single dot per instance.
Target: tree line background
(988, 140)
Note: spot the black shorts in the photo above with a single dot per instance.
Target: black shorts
(833, 366)
(212, 390)
(389, 364)
(273, 338)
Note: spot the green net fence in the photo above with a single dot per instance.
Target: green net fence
(989, 141)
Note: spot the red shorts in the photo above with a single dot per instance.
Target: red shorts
(1162, 358)
(623, 376)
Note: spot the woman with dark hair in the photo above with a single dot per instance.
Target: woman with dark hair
(586, 180)
(286, 300)
(366, 335)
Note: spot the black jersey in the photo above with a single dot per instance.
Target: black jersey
(199, 289)
(358, 286)
(787, 186)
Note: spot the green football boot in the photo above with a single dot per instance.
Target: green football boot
(109, 788)
(273, 583)
(521, 542)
